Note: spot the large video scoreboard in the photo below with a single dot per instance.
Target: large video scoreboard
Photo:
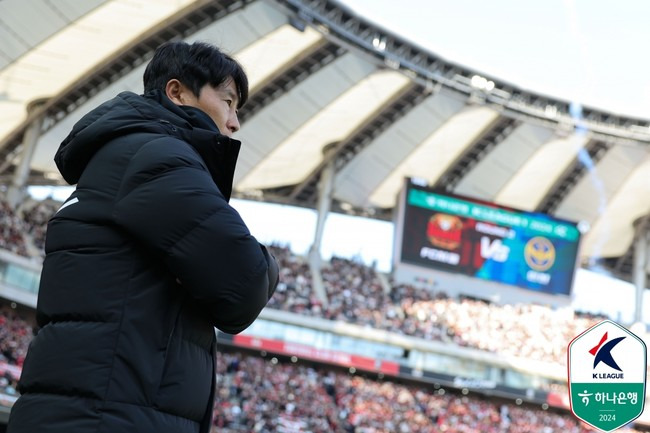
(483, 240)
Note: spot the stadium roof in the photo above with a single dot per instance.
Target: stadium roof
(329, 86)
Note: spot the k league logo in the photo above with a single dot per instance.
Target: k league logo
(607, 376)
(604, 353)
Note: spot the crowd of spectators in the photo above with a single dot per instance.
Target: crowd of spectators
(264, 395)
(22, 230)
(16, 331)
(35, 214)
(256, 395)
(12, 231)
(355, 294)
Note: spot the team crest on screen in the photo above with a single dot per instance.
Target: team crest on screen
(539, 253)
(444, 231)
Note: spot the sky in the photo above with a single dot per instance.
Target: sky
(587, 51)
(592, 52)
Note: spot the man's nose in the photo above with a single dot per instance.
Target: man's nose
(233, 123)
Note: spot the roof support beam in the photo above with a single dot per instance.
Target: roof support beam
(325, 187)
(18, 188)
(640, 269)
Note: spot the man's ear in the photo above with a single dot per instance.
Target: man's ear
(177, 92)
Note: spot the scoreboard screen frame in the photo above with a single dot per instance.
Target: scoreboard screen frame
(461, 235)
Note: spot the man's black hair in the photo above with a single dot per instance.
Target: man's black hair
(194, 65)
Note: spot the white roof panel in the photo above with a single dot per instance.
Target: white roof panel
(235, 31)
(494, 170)
(132, 81)
(11, 48)
(282, 117)
(528, 187)
(30, 28)
(53, 65)
(73, 9)
(593, 192)
(332, 124)
(271, 52)
(612, 232)
(365, 173)
(433, 156)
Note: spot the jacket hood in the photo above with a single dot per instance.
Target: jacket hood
(129, 113)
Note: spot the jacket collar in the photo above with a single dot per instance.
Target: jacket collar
(219, 152)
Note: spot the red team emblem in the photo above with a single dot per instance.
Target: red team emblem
(444, 231)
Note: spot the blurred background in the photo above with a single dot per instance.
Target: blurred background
(453, 191)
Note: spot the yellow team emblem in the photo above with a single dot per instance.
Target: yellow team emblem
(539, 253)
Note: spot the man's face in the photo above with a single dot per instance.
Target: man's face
(220, 104)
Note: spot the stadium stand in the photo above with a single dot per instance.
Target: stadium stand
(16, 332)
(35, 214)
(356, 295)
(271, 394)
(266, 395)
(12, 231)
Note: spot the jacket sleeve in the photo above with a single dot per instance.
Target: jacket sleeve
(170, 204)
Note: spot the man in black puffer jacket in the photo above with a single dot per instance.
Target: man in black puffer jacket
(145, 258)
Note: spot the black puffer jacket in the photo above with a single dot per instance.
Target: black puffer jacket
(143, 260)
